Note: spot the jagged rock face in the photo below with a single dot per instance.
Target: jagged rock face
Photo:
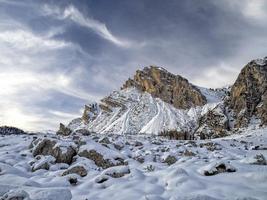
(63, 130)
(90, 112)
(171, 88)
(213, 124)
(248, 95)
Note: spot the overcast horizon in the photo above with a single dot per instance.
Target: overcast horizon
(56, 56)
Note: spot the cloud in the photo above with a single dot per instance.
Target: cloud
(255, 9)
(216, 77)
(76, 16)
(55, 57)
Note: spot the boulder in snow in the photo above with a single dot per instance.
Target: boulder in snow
(80, 170)
(216, 168)
(62, 151)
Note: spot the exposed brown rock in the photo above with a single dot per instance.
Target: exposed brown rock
(80, 170)
(63, 130)
(171, 88)
(99, 159)
(48, 147)
(248, 96)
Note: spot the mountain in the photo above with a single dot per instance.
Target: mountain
(248, 96)
(158, 102)
(170, 88)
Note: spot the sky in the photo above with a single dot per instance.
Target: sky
(56, 56)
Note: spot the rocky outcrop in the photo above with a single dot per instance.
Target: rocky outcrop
(171, 88)
(9, 130)
(90, 112)
(213, 124)
(248, 96)
(63, 130)
(63, 153)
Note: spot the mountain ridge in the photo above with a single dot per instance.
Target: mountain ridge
(155, 101)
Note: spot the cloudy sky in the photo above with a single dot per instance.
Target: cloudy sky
(55, 56)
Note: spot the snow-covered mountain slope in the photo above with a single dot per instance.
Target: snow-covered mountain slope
(130, 111)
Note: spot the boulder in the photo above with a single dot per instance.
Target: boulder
(80, 170)
(101, 155)
(42, 162)
(216, 168)
(63, 130)
(117, 171)
(16, 194)
(259, 159)
(170, 160)
(63, 152)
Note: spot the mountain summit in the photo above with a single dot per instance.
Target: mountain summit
(170, 88)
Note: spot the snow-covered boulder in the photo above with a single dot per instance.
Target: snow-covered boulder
(16, 195)
(216, 168)
(101, 155)
(43, 162)
(117, 171)
(62, 151)
(258, 159)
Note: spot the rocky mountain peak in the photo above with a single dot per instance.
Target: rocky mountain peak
(248, 96)
(173, 89)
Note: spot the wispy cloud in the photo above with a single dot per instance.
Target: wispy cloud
(76, 16)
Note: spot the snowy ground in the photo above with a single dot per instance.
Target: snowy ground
(150, 177)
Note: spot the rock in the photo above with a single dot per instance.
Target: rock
(248, 96)
(101, 178)
(63, 130)
(43, 162)
(99, 159)
(73, 180)
(80, 170)
(211, 146)
(171, 88)
(138, 144)
(16, 195)
(63, 153)
(216, 168)
(90, 112)
(259, 160)
(9, 130)
(82, 131)
(170, 160)
(117, 171)
(101, 155)
(213, 124)
(104, 140)
(188, 153)
(176, 134)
